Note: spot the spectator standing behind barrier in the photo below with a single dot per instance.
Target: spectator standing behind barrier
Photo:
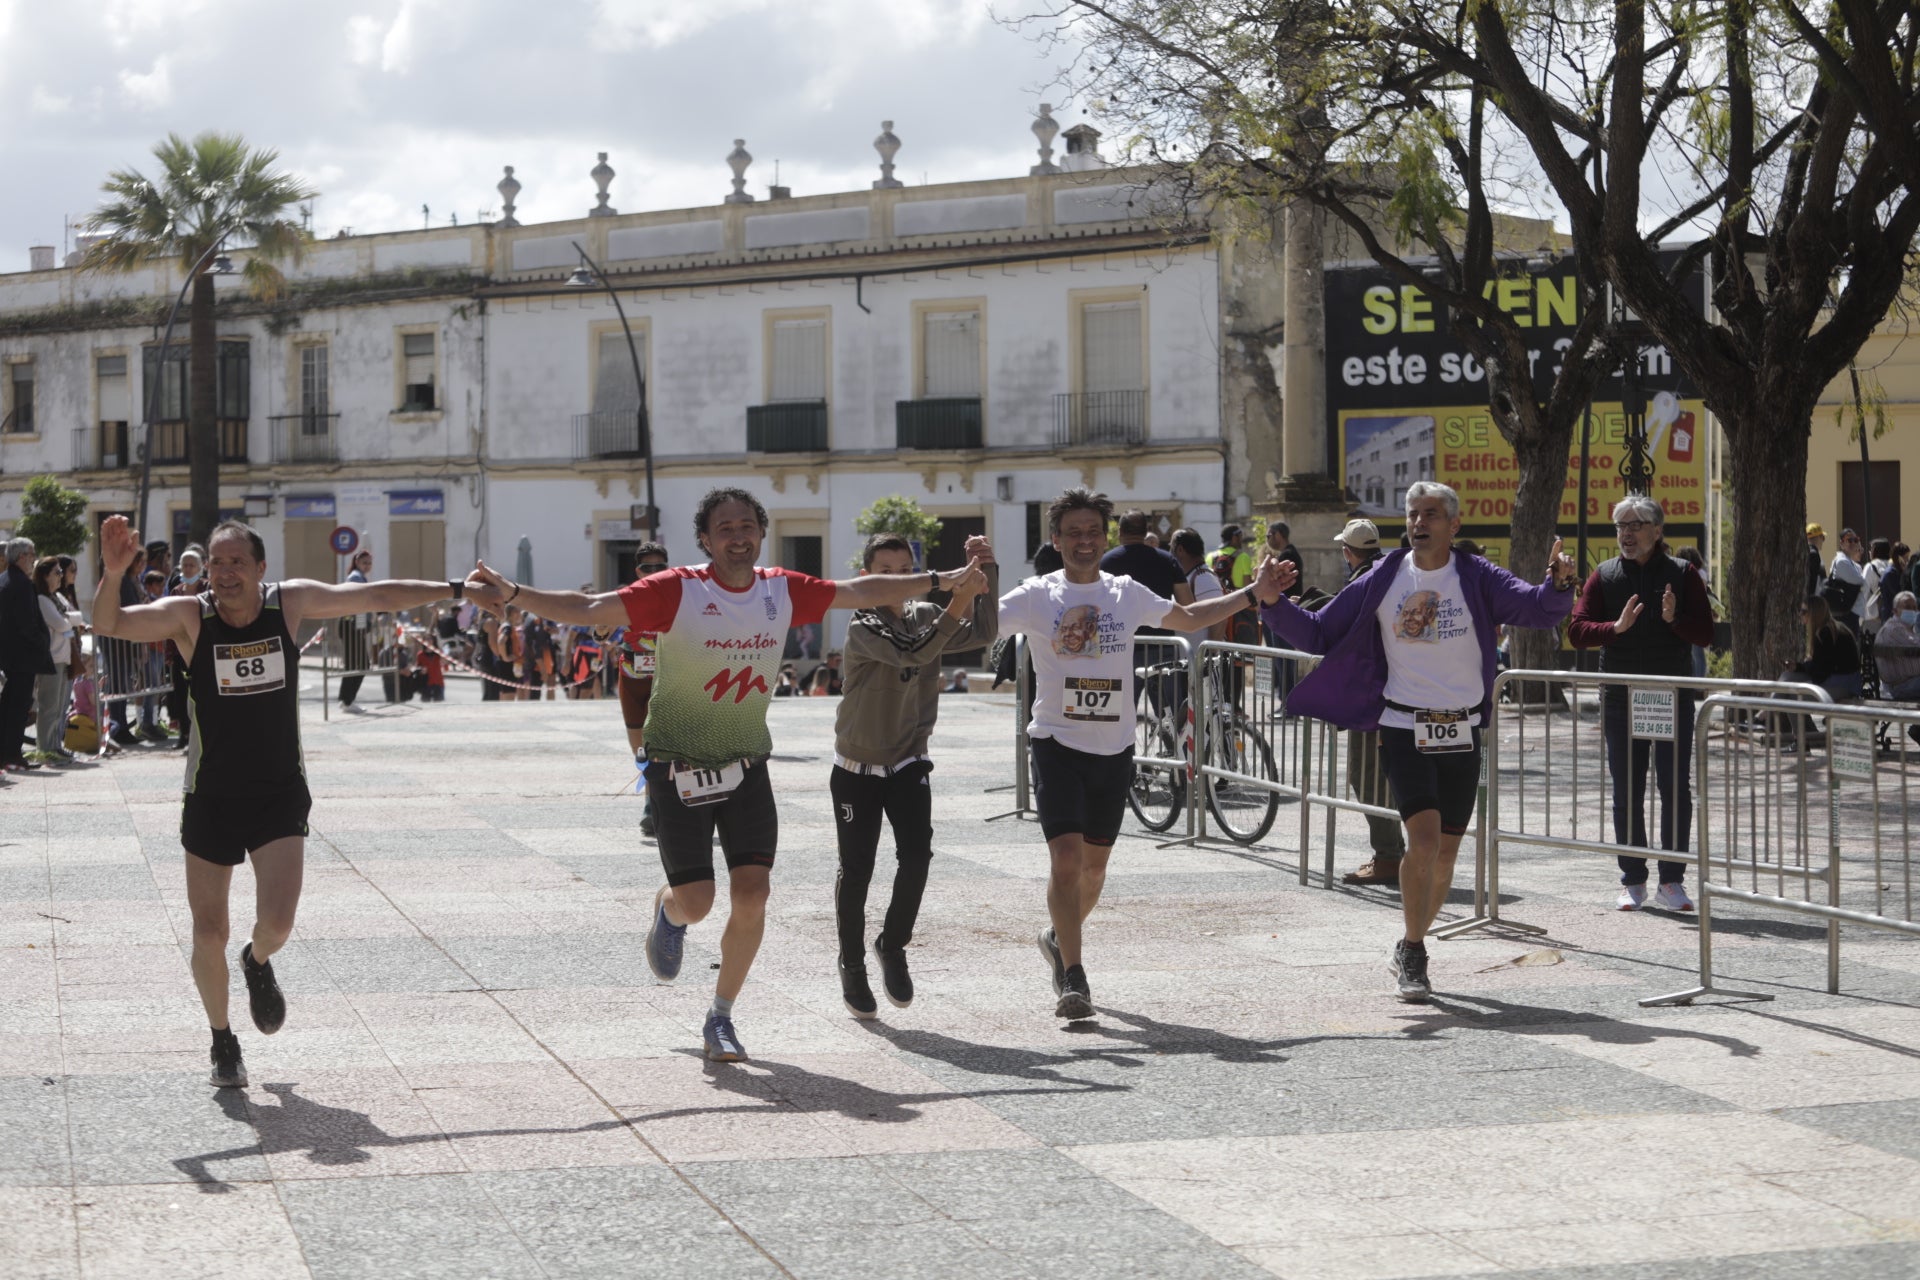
(1878, 575)
(1410, 651)
(1896, 650)
(1280, 547)
(1359, 544)
(1644, 610)
(1159, 573)
(51, 688)
(354, 654)
(1816, 567)
(1692, 556)
(188, 580)
(24, 653)
(1845, 591)
(1833, 655)
(1896, 579)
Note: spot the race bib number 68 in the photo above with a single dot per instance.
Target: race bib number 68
(258, 666)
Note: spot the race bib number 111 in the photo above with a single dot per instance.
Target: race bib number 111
(258, 666)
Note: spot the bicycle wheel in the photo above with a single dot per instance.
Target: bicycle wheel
(1244, 811)
(1159, 791)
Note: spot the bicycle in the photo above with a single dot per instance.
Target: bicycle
(1164, 763)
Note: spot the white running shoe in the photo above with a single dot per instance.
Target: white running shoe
(1672, 897)
(1632, 897)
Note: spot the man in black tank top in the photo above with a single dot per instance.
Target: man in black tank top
(246, 783)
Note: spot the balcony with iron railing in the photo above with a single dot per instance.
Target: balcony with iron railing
(169, 441)
(794, 426)
(306, 437)
(947, 422)
(101, 448)
(1099, 417)
(608, 433)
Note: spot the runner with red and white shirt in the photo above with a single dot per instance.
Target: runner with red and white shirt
(720, 630)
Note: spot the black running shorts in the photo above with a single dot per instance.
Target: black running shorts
(1445, 780)
(749, 826)
(1079, 793)
(225, 829)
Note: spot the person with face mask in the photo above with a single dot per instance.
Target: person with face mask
(1896, 650)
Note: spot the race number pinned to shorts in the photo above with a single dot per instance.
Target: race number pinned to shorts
(1439, 732)
(1651, 712)
(697, 786)
(1089, 698)
(258, 666)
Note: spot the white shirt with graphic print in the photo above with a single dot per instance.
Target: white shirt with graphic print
(1080, 638)
(1433, 657)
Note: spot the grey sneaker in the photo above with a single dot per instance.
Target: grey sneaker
(1051, 950)
(228, 1071)
(1076, 998)
(666, 942)
(1409, 969)
(722, 1044)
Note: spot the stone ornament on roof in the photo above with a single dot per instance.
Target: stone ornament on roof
(738, 160)
(1045, 128)
(509, 189)
(888, 146)
(602, 175)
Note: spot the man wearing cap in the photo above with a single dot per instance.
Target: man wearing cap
(1359, 543)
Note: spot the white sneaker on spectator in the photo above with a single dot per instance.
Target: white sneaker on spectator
(1632, 897)
(1672, 897)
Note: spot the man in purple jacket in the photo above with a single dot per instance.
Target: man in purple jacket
(1410, 650)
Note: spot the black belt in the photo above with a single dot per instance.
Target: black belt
(1414, 711)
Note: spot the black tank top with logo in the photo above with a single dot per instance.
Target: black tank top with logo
(243, 691)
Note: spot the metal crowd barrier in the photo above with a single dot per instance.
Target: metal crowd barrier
(1022, 749)
(1248, 755)
(1162, 790)
(1553, 789)
(1790, 833)
(127, 671)
(359, 640)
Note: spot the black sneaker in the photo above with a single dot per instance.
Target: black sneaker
(124, 738)
(1050, 948)
(894, 978)
(228, 1071)
(855, 991)
(1076, 998)
(268, 1006)
(1409, 969)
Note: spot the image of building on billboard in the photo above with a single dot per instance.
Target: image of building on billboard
(1385, 454)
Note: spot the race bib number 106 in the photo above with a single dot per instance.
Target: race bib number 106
(1441, 732)
(1090, 698)
(258, 666)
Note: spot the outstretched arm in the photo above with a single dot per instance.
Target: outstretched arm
(169, 618)
(305, 598)
(874, 590)
(1266, 585)
(492, 592)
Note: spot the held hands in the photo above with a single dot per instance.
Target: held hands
(1669, 604)
(980, 550)
(1561, 566)
(1268, 584)
(119, 544)
(1630, 615)
(487, 589)
(968, 575)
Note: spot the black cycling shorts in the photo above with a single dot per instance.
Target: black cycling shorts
(1445, 780)
(748, 824)
(1080, 793)
(225, 829)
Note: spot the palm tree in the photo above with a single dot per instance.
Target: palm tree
(209, 190)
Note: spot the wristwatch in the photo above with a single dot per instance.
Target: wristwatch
(458, 586)
(933, 580)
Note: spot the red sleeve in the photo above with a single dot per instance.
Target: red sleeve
(1588, 628)
(652, 601)
(811, 596)
(1693, 614)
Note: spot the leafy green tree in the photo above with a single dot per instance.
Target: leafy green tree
(54, 517)
(898, 515)
(211, 190)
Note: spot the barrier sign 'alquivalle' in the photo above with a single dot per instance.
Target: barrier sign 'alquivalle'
(1408, 402)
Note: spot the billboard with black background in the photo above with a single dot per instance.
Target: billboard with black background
(1408, 402)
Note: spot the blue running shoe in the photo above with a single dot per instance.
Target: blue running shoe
(666, 942)
(722, 1044)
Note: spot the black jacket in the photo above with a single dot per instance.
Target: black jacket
(23, 631)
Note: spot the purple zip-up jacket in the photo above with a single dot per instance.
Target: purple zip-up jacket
(1349, 689)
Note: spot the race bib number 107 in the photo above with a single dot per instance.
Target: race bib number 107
(258, 666)
(1091, 698)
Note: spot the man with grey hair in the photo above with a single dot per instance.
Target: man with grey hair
(1411, 651)
(1896, 650)
(23, 653)
(1613, 616)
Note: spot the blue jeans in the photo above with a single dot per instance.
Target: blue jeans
(1627, 760)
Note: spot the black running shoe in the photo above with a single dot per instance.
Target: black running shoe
(894, 978)
(268, 1006)
(1076, 998)
(1050, 948)
(855, 991)
(1409, 969)
(228, 1071)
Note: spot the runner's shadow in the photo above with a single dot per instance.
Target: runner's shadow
(1527, 1019)
(329, 1135)
(1143, 1037)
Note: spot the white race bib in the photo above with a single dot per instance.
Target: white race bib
(258, 666)
(1089, 698)
(1437, 732)
(697, 787)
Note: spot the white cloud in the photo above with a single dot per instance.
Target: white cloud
(364, 34)
(656, 24)
(44, 102)
(149, 89)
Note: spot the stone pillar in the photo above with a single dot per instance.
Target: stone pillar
(602, 175)
(888, 146)
(509, 189)
(738, 160)
(1310, 500)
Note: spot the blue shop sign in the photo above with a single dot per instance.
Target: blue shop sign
(312, 507)
(416, 502)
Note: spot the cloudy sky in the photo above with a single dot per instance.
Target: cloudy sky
(385, 105)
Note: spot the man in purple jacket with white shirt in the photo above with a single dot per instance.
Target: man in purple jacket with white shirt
(1410, 648)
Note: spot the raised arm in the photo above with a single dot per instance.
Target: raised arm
(173, 618)
(871, 591)
(492, 592)
(305, 598)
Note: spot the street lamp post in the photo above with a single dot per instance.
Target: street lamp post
(586, 276)
(1636, 468)
(222, 265)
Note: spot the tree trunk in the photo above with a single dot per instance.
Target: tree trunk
(203, 434)
(1767, 573)
(1542, 459)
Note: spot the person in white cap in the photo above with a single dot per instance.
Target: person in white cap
(1359, 543)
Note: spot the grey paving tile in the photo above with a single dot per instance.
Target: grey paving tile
(415, 1226)
(545, 960)
(33, 1132)
(387, 964)
(23, 884)
(620, 1221)
(1891, 1126)
(102, 881)
(1865, 1262)
(161, 1128)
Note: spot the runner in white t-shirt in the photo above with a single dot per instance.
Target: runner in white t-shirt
(1080, 625)
(720, 630)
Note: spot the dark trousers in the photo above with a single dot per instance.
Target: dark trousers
(859, 801)
(1627, 760)
(1367, 779)
(178, 702)
(16, 713)
(349, 689)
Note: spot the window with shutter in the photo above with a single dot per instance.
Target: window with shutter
(115, 401)
(614, 387)
(1110, 347)
(20, 407)
(951, 354)
(314, 392)
(799, 360)
(416, 350)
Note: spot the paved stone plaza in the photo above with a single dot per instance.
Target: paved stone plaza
(478, 1076)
